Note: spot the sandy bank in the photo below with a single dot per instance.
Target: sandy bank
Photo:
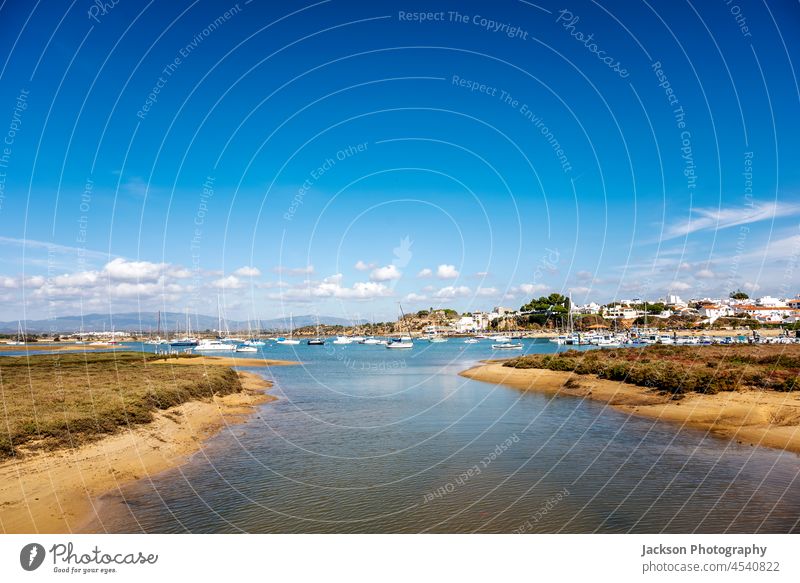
(54, 492)
(204, 360)
(767, 418)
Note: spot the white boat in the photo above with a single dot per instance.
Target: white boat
(245, 348)
(342, 340)
(20, 341)
(288, 341)
(471, 341)
(214, 346)
(399, 344)
(507, 346)
(404, 341)
(254, 342)
(188, 340)
(372, 340)
(436, 339)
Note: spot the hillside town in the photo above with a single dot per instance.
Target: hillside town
(556, 312)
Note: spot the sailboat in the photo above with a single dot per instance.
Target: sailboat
(252, 340)
(20, 336)
(157, 339)
(186, 340)
(403, 341)
(317, 340)
(289, 340)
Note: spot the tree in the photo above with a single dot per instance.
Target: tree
(738, 295)
(554, 303)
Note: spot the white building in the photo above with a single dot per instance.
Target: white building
(713, 311)
(770, 302)
(674, 300)
(590, 308)
(618, 311)
(766, 314)
(465, 324)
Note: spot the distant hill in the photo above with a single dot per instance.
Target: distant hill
(146, 321)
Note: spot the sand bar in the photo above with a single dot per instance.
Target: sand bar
(753, 417)
(205, 360)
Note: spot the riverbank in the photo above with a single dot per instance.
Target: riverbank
(55, 491)
(748, 415)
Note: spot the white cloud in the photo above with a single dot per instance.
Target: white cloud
(580, 290)
(446, 271)
(230, 282)
(719, 218)
(361, 266)
(751, 286)
(531, 288)
(679, 286)
(450, 292)
(307, 270)
(705, 274)
(584, 276)
(412, 297)
(8, 282)
(121, 269)
(487, 291)
(331, 287)
(425, 273)
(386, 273)
(246, 271)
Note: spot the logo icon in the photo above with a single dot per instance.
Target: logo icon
(31, 556)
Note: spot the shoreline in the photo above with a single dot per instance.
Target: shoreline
(58, 491)
(757, 418)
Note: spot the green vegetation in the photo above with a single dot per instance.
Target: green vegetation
(682, 369)
(56, 400)
(738, 295)
(554, 303)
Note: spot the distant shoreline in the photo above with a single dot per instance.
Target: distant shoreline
(758, 418)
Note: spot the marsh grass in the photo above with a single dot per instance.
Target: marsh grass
(681, 369)
(57, 400)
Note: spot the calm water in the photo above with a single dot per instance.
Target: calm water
(365, 439)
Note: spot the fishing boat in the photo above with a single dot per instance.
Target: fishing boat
(342, 340)
(245, 348)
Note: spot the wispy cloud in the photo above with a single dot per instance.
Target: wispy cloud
(307, 270)
(705, 219)
(52, 247)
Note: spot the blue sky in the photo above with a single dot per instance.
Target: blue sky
(339, 157)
